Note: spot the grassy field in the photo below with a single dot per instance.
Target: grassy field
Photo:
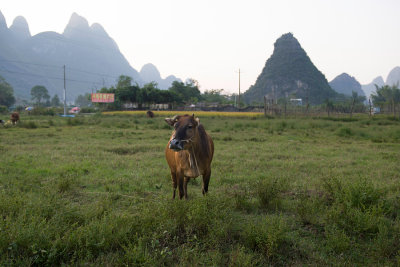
(96, 190)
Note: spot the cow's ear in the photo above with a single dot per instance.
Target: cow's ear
(170, 121)
(196, 119)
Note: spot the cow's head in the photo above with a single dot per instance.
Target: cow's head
(185, 131)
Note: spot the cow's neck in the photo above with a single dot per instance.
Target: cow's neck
(195, 154)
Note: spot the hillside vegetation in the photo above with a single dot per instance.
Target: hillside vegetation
(289, 72)
(97, 191)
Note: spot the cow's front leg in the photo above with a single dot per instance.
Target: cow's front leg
(180, 184)
(174, 184)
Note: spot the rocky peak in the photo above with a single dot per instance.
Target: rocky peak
(288, 43)
(77, 26)
(98, 29)
(289, 72)
(393, 77)
(149, 72)
(346, 84)
(370, 88)
(378, 81)
(3, 23)
(20, 28)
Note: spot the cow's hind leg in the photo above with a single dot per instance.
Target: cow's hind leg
(185, 182)
(206, 180)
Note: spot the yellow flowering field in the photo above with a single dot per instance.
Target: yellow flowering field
(197, 113)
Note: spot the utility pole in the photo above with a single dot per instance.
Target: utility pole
(238, 103)
(65, 95)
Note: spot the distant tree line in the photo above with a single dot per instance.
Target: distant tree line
(180, 93)
(386, 97)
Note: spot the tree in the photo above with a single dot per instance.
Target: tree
(215, 95)
(187, 92)
(387, 96)
(38, 93)
(83, 100)
(124, 81)
(355, 99)
(127, 94)
(55, 101)
(6, 93)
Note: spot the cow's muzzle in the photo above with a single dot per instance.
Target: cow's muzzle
(176, 144)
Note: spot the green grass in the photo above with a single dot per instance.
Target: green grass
(96, 191)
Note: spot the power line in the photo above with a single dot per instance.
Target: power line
(49, 77)
(93, 73)
(58, 67)
(29, 63)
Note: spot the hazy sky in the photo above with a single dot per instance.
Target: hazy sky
(209, 40)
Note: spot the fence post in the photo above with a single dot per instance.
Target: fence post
(265, 106)
(370, 107)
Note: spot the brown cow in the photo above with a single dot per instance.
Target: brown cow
(14, 117)
(150, 114)
(189, 153)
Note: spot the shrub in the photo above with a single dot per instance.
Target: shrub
(75, 121)
(27, 124)
(309, 209)
(345, 132)
(45, 111)
(3, 109)
(337, 240)
(88, 110)
(267, 236)
(269, 190)
(357, 207)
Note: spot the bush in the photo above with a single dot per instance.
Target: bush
(357, 208)
(75, 121)
(88, 110)
(45, 111)
(3, 109)
(27, 124)
(268, 236)
(269, 190)
(345, 132)
(337, 240)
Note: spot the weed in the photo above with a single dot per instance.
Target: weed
(28, 125)
(268, 236)
(345, 132)
(337, 240)
(99, 194)
(269, 190)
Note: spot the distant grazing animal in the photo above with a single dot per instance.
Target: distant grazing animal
(150, 114)
(14, 117)
(189, 153)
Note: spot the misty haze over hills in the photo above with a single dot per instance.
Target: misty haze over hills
(393, 78)
(91, 56)
(93, 60)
